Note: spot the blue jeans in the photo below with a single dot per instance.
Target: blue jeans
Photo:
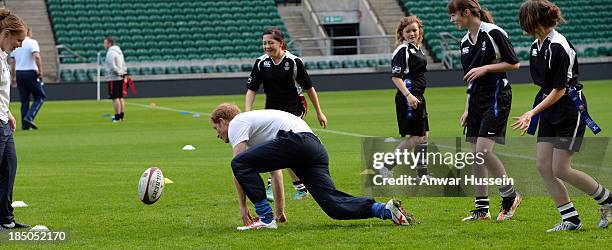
(306, 156)
(29, 87)
(8, 168)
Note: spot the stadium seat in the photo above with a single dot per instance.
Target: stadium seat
(185, 30)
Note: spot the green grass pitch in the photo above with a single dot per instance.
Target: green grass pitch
(79, 173)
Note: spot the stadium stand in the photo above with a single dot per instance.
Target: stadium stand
(588, 24)
(159, 30)
(183, 37)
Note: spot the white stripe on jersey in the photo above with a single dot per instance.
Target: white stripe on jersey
(399, 47)
(558, 38)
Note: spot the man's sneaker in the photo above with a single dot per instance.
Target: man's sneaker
(14, 225)
(509, 207)
(258, 225)
(606, 216)
(300, 195)
(30, 123)
(399, 216)
(269, 194)
(478, 214)
(565, 226)
(385, 172)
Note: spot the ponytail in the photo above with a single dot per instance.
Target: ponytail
(485, 16)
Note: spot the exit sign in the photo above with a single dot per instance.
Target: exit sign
(332, 19)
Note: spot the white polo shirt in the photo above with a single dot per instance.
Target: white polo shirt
(258, 126)
(23, 55)
(5, 86)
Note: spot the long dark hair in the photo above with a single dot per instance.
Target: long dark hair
(473, 6)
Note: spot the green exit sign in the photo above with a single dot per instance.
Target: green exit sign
(332, 19)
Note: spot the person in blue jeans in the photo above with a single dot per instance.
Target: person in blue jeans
(269, 140)
(12, 33)
(27, 76)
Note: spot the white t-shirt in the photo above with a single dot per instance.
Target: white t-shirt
(5, 86)
(23, 55)
(258, 126)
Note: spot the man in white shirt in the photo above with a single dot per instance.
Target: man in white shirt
(27, 76)
(268, 140)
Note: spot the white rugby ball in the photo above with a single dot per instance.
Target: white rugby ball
(151, 185)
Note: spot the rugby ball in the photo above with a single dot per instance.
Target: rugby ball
(151, 185)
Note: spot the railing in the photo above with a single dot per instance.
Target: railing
(447, 50)
(363, 44)
(71, 54)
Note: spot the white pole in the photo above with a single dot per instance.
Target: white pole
(99, 61)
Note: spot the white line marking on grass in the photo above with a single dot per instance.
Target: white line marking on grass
(166, 108)
(357, 135)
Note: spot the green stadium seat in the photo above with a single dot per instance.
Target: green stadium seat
(158, 71)
(360, 63)
(246, 67)
(196, 69)
(348, 64)
(171, 70)
(146, 71)
(333, 64)
(210, 69)
(184, 70)
(221, 68)
(323, 65)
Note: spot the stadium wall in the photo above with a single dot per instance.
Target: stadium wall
(337, 82)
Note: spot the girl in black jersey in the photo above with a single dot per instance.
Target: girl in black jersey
(486, 56)
(409, 65)
(561, 113)
(284, 79)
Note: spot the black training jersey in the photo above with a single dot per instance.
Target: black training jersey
(283, 83)
(409, 62)
(554, 63)
(491, 46)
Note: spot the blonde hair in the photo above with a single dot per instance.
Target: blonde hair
(225, 111)
(11, 22)
(405, 21)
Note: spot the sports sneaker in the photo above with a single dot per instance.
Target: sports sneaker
(269, 194)
(565, 226)
(508, 208)
(478, 214)
(14, 225)
(258, 225)
(606, 216)
(399, 216)
(300, 195)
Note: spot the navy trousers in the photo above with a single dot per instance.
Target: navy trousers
(8, 168)
(306, 156)
(29, 87)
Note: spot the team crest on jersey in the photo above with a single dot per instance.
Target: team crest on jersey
(396, 70)
(286, 65)
(267, 64)
(465, 50)
(546, 54)
(412, 51)
(534, 52)
(484, 46)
